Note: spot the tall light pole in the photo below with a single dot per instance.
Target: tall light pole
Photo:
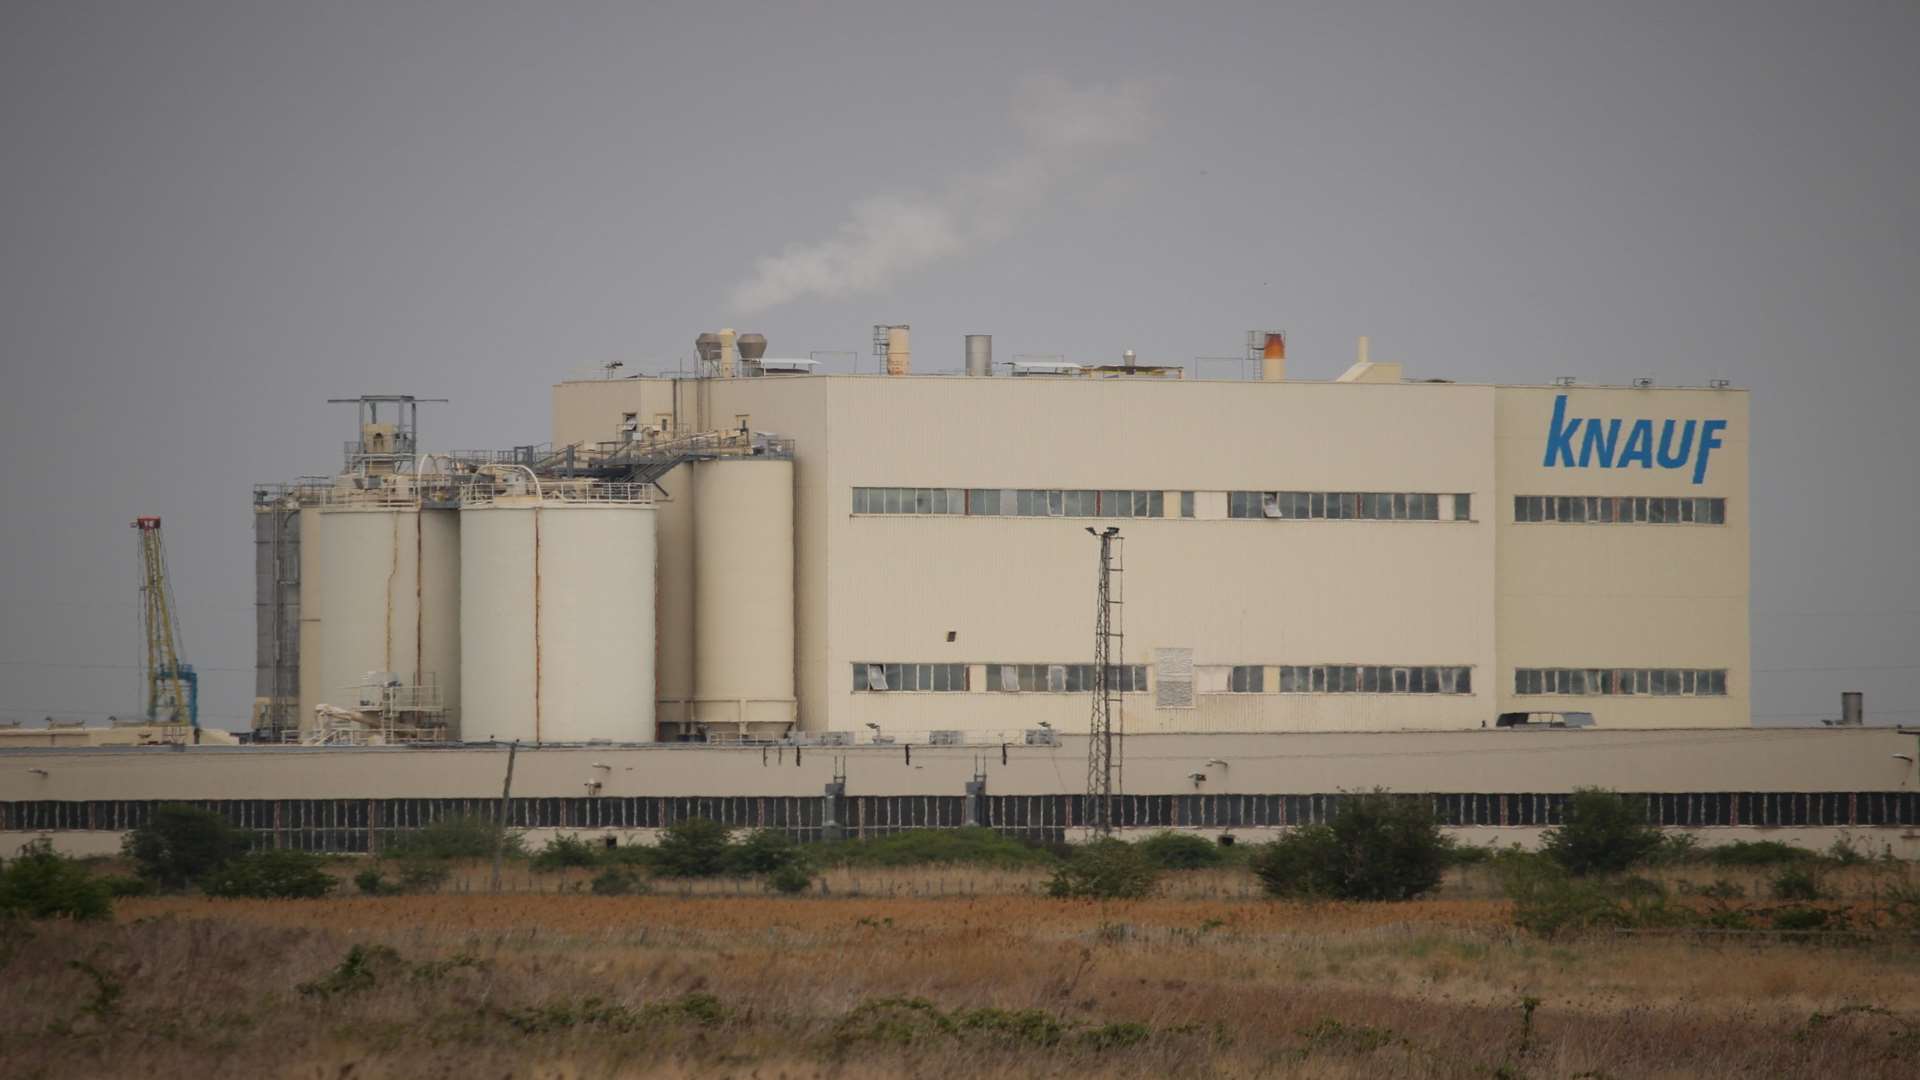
(1108, 713)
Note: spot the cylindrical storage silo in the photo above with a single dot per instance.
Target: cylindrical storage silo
(743, 595)
(390, 582)
(557, 621)
(980, 355)
(313, 591)
(673, 600)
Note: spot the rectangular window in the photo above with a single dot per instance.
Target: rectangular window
(1186, 504)
(1247, 679)
(942, 678)
(1659, 682)
(1622, 510)
(1463, 508)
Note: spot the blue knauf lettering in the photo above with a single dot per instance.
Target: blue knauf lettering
(1560, 435)
(1599, 445)
(1669, 457)
(1709, 441)
(1639, 445)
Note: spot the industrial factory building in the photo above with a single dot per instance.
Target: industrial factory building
(854, 604)
(751, 551)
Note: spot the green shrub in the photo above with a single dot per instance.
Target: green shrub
(464, 836)
(1105, 870)
(41, 884)
(695, 847)
(179, 845)
(973, 846)
(1547, 900)
(282, 874)
(1808, 918)
(566, 851)
(1299, 864)
(1675, 849)
(371, 882)
(619, 880)
(1844, 853)
(1756, 853)
(1798, 882)
(764, 851)
(1472, 854)
(1377, 847)
(419, 875)
(790, 878)
(1602, 832)
(124, 885)
(1181, 851)
(627, 855)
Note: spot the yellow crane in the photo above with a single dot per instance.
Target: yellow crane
(172, 687)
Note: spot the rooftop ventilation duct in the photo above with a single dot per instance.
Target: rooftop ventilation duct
(707, 345)
(752, 347)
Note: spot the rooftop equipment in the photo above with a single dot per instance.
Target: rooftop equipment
(980, 355)
(1273, 357)
(1045, 367)
(891, 343)
(788, 366)
(752, 347)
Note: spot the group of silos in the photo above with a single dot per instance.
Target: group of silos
(560, 613)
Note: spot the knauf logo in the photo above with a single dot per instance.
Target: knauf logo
(1598, 443)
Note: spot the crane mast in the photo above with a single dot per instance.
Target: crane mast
(172, 688)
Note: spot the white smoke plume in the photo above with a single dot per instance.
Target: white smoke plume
(1064, 130)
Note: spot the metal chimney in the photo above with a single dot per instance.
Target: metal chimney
(980, 355)
(728, 353)
(1273, 358)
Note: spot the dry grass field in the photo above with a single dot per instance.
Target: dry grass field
(985, 980)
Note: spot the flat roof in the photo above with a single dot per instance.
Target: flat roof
(1146, 378)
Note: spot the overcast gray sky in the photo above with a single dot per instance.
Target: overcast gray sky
(214, 216)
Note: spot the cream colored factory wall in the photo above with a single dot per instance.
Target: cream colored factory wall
(1021, 590)
(1618, 595)
(1779, 759)
(1487, 593)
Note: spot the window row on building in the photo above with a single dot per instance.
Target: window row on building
(1589, 682)
(1063, 678)
(1374, 679)
(1342, 505)
(1132, 678)
(1015, 502)
(361, 825)
(1620, 509)
(1001, 678)
(939, 678)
